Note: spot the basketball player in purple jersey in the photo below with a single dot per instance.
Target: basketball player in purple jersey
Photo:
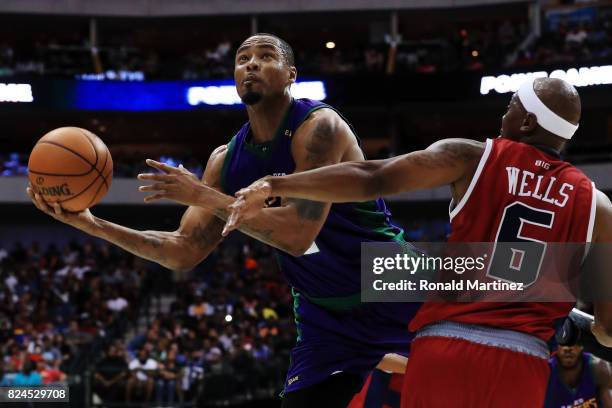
(340, 339)
(578, 380)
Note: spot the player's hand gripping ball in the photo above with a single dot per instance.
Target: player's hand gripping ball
(70, 166)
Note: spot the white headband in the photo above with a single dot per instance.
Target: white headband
(548, 119)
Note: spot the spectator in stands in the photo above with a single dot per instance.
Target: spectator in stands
(116, 303)
(576, 36)
(263, 355)
(199, 308)
(111, 374)
(192, 372)
(75, 337)
(227, 338)
(143, 370)
(261, 352)
(243, 366)
(161, 350)
(167, 382)
(222, 306)
(49, 351)
(3, 253)
(139, 341)
(28, 376)
(213, 356)
(6, 376)
(49, 373)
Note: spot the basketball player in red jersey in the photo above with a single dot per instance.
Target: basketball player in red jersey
(511, 188)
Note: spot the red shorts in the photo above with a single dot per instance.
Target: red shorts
(449, 372)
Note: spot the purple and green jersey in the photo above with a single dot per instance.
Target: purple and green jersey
(336, 331)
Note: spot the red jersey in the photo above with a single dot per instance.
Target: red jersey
(518, 191)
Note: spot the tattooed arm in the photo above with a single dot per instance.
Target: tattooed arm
(449, 161)
(181, 250)
(198, 234)
(323, 139)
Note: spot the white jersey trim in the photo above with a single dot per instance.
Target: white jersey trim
(589, 236)
(483, 160)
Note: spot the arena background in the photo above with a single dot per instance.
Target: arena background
(154, 80)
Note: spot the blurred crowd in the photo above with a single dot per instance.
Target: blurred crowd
(451, 48)
(55, 302)
(458, 50)
(16, 164)
(569, 42)
(225, 331)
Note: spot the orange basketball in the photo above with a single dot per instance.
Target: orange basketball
(71, 166)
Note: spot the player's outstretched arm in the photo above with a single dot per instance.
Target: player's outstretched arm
(198, 234)
(442, 163)
(322, 140)
(602, 234)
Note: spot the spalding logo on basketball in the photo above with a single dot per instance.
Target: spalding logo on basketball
(71, 166)
(53, 191)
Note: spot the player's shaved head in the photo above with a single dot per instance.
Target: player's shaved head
(560, 97)
(557, 95)
(284, 48)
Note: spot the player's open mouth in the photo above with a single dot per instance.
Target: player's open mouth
(250, 79)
